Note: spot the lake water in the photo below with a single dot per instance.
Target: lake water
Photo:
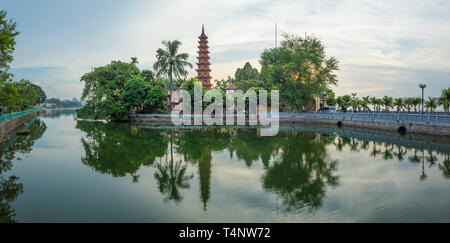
(78, 171)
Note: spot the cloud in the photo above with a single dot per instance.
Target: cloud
(383, 46)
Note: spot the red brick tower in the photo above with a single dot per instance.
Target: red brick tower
(203, 71)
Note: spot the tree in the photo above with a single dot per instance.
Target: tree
(399, 104)
(171, 63)
(444, 100)
(344, 102)
(365, 103)
(147, 75)
(246, 73)
(103, 91)
(8, 94)
(8, 35)
(431, 104)
(245, 85)
(409, 103)
(416, 101)
(387, 103)
(134, 94)
(156, 99)
(373, 101)
(299, 69)
(355, 103)
(221, 85)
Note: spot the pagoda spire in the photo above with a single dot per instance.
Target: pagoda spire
(203, 71)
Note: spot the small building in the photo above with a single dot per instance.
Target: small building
(319, 102)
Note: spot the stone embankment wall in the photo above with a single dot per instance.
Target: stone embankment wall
(9, 128)
(428, 129)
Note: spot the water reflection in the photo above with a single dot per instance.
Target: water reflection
(10, 185)
(297, 164)
(302, 171)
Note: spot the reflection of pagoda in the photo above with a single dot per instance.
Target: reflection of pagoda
(204, 171)
(203, 71)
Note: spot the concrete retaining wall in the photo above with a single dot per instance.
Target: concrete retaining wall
(9, 128)
(428, 129)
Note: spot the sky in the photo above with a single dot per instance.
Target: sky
(384, 47)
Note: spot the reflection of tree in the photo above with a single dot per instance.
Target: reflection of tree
(10, 187)
(197, 143)
(445, 167)
(250, 147)
(171, 177)
(196, 146)
(300, 175)
(118, 149)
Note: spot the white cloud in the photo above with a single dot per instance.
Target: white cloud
(376, 41)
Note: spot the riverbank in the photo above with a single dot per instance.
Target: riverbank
(439, 129)
(8, 128)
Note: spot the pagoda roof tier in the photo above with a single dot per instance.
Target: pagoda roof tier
(203, 36)
(203, 47)
(202, 70)
(199, 52)
(203, 64)
(205, 57)
(201, 77)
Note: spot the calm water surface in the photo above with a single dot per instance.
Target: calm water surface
(78, 171)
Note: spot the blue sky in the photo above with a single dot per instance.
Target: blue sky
(384, 47)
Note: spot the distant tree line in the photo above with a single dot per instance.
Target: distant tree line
(74, 102)
(388, 103)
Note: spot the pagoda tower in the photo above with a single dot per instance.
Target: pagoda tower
(203, 71)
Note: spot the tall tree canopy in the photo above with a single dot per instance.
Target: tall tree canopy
(114, 90)
(246, 73)
(299, 69)
(8, 34)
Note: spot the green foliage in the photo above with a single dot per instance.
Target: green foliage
(246, 73)
(156, 99)
(299, 69)
(431, 104)
(387, 103)
(221, 85)
(344, 102)
(65, 103)
(444, 100)
(8, 34)
(134, 94)
(398, 102)
(170, 63)
(147, 75)
(104, 91)
(245, 85)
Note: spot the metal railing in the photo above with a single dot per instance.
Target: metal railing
(10, 116)
(438, 118)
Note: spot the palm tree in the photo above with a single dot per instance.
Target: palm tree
(387, 102)
(409, 102)
(171, 63)
(355, 103)
(365, 103)
(444, 100)
(431, 104)
(171, 176)
(373, 101)
(416, 101)
(399, 104)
